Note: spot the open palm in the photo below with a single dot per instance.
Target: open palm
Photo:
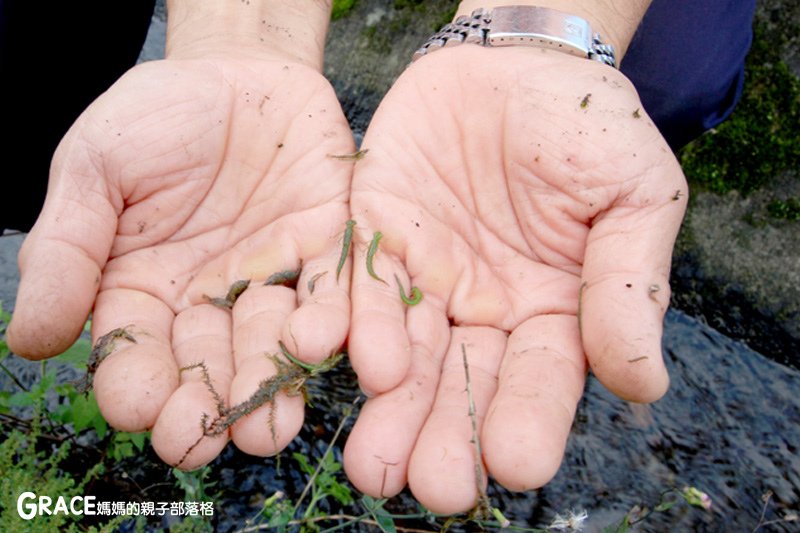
(534, 204)
(184, 178)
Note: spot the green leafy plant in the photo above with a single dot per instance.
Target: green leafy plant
(196, 487)
(29, 463)
(35, 446)
(668, 499)
(325, 483)
(195, 484)
(75, 412)
(40, 424)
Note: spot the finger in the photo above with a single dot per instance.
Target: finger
(379, 446)
(270, 406)
(540, 383)
(379, 346)
(319, 326)
(136, 378)
(625, 290)
(61, 259)
(445, 465)
(183, 435)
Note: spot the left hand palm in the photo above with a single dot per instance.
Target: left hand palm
(185, 177)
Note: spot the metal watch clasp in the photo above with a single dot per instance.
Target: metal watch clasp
(539, 27)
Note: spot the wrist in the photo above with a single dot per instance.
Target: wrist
(256, 29)
(614, 20)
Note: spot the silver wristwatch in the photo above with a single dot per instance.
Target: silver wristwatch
(523, 25)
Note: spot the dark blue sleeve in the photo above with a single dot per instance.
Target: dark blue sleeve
(687, 62)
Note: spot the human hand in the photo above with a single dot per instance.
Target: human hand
(535, 205)
(186, 176)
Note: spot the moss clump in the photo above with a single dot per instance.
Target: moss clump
(428, 15)
(341, 8)
(761, 140)
(785, 209)
(438, 14)
(446, 17)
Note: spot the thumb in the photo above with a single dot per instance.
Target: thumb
(625, 286)
(62, 258)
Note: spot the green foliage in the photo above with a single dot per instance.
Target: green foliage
(445, 17)
(433, 14)
(278, 512)
(382, 518)
(785, 209)
(123, 444)
(30, 462)
(33, 397)
(669, 499)
(75, 412)
(323, 483)
(28, 465)
(761, 139)
(402, 4)
(39, 426)
(23, 468)
(440, 13)
(194, 484)
(77, 354)
(341, 7)
(5, 318)
(192, 524)
(79, 410)
(326, 482)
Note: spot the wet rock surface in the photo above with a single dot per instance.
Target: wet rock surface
(740, 272)
(730, 425)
